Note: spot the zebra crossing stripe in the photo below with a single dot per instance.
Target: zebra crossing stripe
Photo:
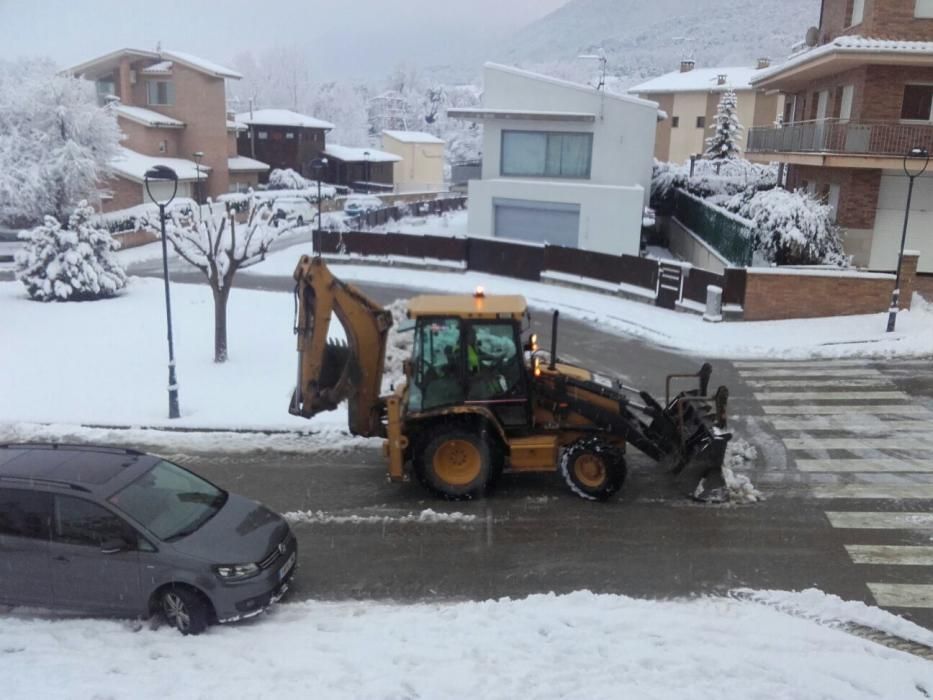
(829, 395)
(899, 442)
(852, 383)
(873, 491)
(885, 554)
(790, 364)
(812, 372)
(881, 464)
(829, 409)
(857, 423)
(902, 595)
(880, 521)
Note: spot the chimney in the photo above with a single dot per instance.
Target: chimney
(721, 79)
(687, 65)
(764, 62)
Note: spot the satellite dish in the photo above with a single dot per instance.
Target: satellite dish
(813, 36)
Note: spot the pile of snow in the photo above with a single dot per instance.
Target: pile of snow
(580, 645)
(399, 347)
(74, 263)
(741, 489)
(425, 516)
(451, 223)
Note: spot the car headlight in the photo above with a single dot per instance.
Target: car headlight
(236, 572)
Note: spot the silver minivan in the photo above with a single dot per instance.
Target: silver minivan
(110, 531)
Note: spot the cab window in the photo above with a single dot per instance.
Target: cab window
(493, 362)
(436, 378)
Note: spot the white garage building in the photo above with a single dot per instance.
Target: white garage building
(563, 163)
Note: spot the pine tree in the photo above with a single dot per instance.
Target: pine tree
(70, 263)
(723, 144)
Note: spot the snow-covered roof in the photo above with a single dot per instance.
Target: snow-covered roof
(239, 164)
(160, 68)
(350, 154)
(852, 44)
(479, 113)
(412, 136)
(147, 117)
(233, 125)
(699, 80)
(282, 117)
(133, 165)
(202, 64)
(568, 84)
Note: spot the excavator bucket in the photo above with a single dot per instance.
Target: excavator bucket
(330, 372)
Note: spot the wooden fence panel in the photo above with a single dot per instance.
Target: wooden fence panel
(505, 258)
(696, 282)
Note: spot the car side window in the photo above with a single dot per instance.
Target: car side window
(81, 522)
(25, 513)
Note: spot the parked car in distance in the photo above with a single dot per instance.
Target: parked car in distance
(117, 532)
(292, 209)
(359, 204)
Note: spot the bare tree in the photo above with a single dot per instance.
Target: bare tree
(228, 237)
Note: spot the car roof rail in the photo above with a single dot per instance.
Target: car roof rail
(72, 446)
(44, 482)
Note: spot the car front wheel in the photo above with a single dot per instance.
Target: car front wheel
(185, 610)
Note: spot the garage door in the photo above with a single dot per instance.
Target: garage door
(541, 222)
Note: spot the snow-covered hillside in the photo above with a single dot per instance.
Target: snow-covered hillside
(642, 40)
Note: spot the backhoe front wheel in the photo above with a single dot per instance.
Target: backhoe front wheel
(593, 469)
(455, 463)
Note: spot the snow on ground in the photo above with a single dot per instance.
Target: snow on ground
(741, 488)
(579, 645)
(844, 336)
(452, 223)
(105, 362)
(427, 515)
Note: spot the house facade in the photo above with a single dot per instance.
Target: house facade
(422, 166)
(360, 169)
(171, 107)
(282, 138)
(690, 98)
(563, 163)
(857, 100)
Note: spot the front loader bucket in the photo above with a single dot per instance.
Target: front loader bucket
(701, 477)
(338, 373)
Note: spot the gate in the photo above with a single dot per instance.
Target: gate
(670, 278)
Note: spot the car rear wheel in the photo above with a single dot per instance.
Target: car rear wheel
(185, 610)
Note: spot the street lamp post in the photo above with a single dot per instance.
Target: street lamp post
(366, 169)
(318, 164)
(916, 155)
(162, 173)
(198, 155)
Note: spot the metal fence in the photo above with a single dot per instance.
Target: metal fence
(728, 235)
(841, 136)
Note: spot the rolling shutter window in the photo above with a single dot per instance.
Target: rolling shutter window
(541, 222)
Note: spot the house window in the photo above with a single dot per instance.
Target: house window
(845, 106)
(856, 13)
(675, 122)
(918, 100)
(546, 154)
(701, 122)
(262, 135)
(106, 88)
(289, 134)
(161, 92)
(924, 9)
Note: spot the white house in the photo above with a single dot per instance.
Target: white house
(563, 163)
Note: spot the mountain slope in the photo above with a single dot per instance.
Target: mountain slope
(642, 40)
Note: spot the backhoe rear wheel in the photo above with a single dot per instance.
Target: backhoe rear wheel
(593, 469)
(455, 463)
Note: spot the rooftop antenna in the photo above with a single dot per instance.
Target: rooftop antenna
(158, 47)
(602, 66)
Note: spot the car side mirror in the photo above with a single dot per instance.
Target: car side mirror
(114, 545)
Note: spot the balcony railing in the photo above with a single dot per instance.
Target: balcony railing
(841, 136)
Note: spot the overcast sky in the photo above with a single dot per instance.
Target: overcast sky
(364, 38)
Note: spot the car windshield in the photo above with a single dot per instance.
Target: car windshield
(169, 501)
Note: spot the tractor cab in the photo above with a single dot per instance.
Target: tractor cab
(468, 352)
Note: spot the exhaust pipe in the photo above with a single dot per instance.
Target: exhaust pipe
(553, 364)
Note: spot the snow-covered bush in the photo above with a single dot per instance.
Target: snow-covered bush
(56, 143)
(71, 263)
(723, 144)
(725, 178)
(287, 179)
(791, 228)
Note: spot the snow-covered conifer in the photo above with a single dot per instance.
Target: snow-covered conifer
(724, 143)
(70, 263)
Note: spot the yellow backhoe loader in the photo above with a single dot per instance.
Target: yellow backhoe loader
(477, 399)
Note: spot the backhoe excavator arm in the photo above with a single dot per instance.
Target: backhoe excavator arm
(330, 372)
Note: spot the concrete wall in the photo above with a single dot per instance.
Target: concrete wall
(422, 165)
(692, 248)
(608, 215)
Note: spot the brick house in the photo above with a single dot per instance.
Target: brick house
(856, 101)
(690, 97)
(169, 105)
(282, 138)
